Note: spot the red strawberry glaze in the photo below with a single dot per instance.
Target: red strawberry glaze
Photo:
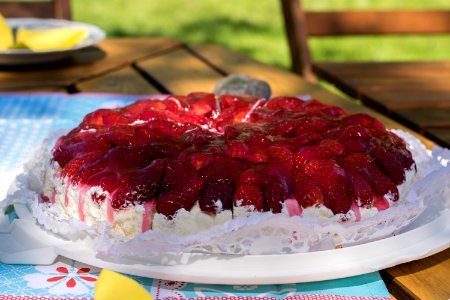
(83, 189)
(66, 192)
(53, 198)
(243, 151)
(293, 208)
(109, 210)
(381, 203)
(149, 208)
(357, 211)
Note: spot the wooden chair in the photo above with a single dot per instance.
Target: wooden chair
(57, 9)
(414, 93)
(300, 25)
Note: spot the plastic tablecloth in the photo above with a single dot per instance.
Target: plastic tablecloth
(25, 119)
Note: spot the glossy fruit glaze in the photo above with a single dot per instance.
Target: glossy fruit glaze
(234, 151)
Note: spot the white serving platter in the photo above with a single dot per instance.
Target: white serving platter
(24, 241)
(13, 57)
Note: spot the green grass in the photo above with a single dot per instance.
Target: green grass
(256, 27)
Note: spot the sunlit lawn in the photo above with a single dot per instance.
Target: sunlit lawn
(256, 27)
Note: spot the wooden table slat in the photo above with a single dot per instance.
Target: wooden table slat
(416, 94)
(441, 136)
(85, 63)
(366, 84)
(380, 68)
(124, 80)
(409, 100)
(425, 118)
(421, 279)
(181, 72)
(44, 88)
(282, 82)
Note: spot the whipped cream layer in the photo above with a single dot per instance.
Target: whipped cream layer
(77, 201)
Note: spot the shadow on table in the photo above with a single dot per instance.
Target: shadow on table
(84, 56)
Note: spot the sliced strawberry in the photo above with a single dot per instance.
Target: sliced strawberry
(217, 196)
(289, 103)
(251, 176)
(107, 180)
(332, 145)
(280, 152)
(177, 174)
(334, 111)
(284, 128)
(140, 186)
(362, 190)
(202, 104)
(182, 197)
(282, 170)
(95, 117)
(258, 156)
(200, 160)
(88, 170)
(234, 110)
(351, 145)
(307, 138)
(363, 120)
(306, 191)
(305, 154)
(275, 192)
(118, 137)
(231, 133)
(224, 168)
(135, 109)
(311, 124)
(62, 156)
(258, 140)
(357, 131)
(65, 152)
(234, 101)
(175, 103)
(238, 149)
(364, 165)
(78, 161)
(387, 159)
(136, 157)
(168, 128)
(333, 185)
(314, 107)
(197, 137)
(163, 149)
(249, 195)
(115, 117)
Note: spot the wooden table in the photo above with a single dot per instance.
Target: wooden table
(147, 66)
(416, 94)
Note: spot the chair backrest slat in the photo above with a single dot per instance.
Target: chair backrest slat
(58, 9)
(377, 22)
(300, 25)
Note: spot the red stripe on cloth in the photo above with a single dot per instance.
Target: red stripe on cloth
(13, 297)
(297, 297)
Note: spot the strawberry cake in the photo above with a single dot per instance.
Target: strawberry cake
(186, 163)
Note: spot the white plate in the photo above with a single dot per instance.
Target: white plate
(26, 242)
(26, 56)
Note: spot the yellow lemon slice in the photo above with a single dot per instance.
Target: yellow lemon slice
(51, 39)
(6, 35)
(114, 286)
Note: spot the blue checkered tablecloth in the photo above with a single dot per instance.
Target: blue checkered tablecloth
(25, 119)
